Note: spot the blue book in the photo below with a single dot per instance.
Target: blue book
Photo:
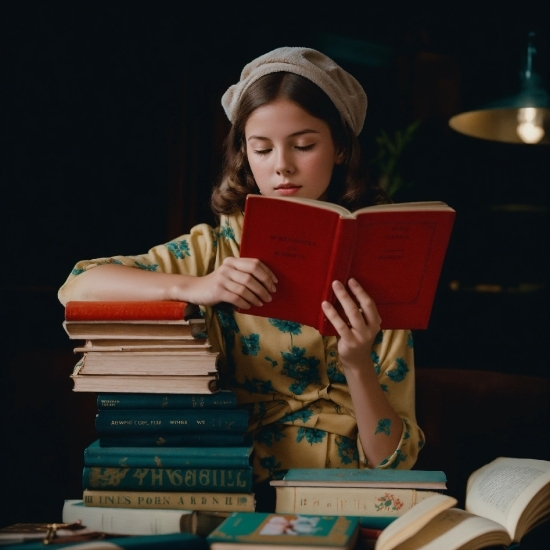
(219, 439)
(172, 420)
(167, 457)
(223, 399)
(356, 477)
(228, 480)
(176, 541)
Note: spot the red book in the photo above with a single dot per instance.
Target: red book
(395, 251)
(127, 311)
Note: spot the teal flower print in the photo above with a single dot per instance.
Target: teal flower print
(302, 416)
(311, 435)
(256, 385)
(287, 326)
(347, 449)
(270, 463)
(401, 457)
(227, 322)
(334, 375)
(179, 249)
(269, 434)
(421, 444)
(227, 232)
(272, 361)
(383, 427)
(214, 236)
(376, 360)
(77, 271)
(385, 388)
(410, 342)
(398, 374)
(250, 345)
(151, 267)
(300, 368)
(379, 338)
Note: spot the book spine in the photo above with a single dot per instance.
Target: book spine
(221, 439)
(343, 248)
(177, 421)
(222, 480)
(124, 311)
(157, 500)
(167, 457)
(220, 400)
(351, 501)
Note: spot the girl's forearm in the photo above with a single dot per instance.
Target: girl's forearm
(118, 282)
(380, 427)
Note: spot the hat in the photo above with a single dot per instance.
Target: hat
(343, 89)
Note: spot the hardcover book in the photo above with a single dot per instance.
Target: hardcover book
(505, 499)
(230, 480)
(224, 399)
(395, 251)
(291, 531)
(172, 420)
(124, 521)
(167, 457)
(189, 500)
(356, 477)
(214, 439)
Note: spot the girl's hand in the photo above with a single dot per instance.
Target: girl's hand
(242, 282)
(356, 337)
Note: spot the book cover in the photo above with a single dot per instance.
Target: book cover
(150, 310)
(230, 480)
(171, 420)
(394, 251)
(149, 363)
(167, 457)
(101, 383)
(356, 477)
(143, 344)
(127, 521)
(189, 500)
(284, 530)
(214, 439)
(224, 399)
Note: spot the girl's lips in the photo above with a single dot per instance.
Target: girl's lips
(287, 189)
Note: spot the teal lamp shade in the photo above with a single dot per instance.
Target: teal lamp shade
(521, 118)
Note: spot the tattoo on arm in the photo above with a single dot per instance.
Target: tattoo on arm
(383, 426)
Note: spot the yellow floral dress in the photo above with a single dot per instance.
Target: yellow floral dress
(285, 374)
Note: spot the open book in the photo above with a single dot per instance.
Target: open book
(395, 251)
(505, 499)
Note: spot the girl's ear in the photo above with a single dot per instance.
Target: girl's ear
(340, 155)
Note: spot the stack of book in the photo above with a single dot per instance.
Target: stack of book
(170, 442)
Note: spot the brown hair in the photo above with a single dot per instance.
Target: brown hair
(349, 186)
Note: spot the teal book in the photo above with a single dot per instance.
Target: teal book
(268, 530)
(173, 420)
(229, 480)
(219, 439)
(167, 457)
(172, 541)
(355, 477)
(223, 399)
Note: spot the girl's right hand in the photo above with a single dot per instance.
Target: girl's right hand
(241, 282)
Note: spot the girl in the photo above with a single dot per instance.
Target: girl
(316, 402)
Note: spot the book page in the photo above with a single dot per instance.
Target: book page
(502, 489)
(456, 529)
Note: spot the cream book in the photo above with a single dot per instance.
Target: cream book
(505, 499)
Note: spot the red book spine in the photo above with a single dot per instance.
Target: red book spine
(124, 311)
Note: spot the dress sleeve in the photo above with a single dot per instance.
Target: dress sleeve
(191, 254)
(393, 357)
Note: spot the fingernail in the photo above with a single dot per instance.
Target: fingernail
(338, 284)
(326, 305)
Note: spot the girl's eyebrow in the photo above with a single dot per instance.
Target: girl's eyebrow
(295, 134)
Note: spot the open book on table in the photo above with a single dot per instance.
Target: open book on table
(395, 251)
(505, 499)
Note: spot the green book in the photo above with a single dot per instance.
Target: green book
(223, 399)
(228, 480)
(356, 477)
(167, 457)
(214, 439)
(173, 420)
(284, 530)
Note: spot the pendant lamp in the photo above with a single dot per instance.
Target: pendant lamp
(521, 118)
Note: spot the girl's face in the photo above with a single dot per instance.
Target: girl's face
(290, 152)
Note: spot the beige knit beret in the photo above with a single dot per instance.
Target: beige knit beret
(343, 89)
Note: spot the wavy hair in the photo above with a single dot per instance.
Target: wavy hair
(349, 186)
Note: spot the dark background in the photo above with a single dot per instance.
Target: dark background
(111, 136)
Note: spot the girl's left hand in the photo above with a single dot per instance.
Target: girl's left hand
(356, 336)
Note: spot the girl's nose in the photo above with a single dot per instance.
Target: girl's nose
(284, 164)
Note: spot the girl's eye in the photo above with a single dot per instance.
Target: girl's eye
(305, 147)
(262, 152)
